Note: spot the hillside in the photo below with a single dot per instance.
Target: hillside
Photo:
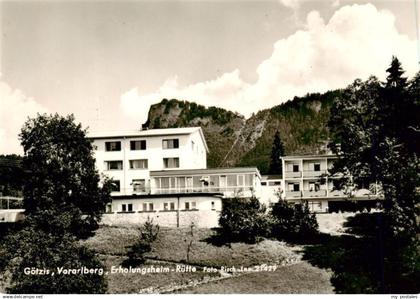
(236, 141)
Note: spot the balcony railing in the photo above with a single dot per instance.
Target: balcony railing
(319, 193)
(293, 174)
(291, 194)
(10, 202)
(313, 174)
(227, 191)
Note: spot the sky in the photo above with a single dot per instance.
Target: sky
(108, 61)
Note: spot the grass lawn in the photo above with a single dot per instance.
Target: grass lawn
(172, 246)
(121, 283)
(301, 278)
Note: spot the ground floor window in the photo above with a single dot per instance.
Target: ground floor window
(127, 207)
(190, 205)
(169, 206)
(315, 206)
(148, 207)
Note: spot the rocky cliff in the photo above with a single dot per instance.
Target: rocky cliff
(234, 140)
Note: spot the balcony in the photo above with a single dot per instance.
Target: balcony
(313, 174)
(293, 194)
(319, 193)
(336, 193)
(293, 174)
(227, 191)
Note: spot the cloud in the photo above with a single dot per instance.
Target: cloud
(356, 42)
(15, 107)
(293, 4)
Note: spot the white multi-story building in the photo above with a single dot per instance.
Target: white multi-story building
(307, 178)
(128, 157)
(162, 174)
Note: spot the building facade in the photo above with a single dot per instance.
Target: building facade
(307, 178)
(129, 157)
(161, 174)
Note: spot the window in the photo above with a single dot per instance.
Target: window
(138, 164)
(127, 207)
(148, 207)
(263, 183)
(313, 186)
(112, 146)
(213, 206)
(169, 206)
(231, 180)
(139, 185)
(171, 162)
(114, 165)
(295, 168)
(170, 143)
(241, 180)
(317, 167)
(108, 208)
(296, 187)
(115, 186)
(136, 145)
(190, 205)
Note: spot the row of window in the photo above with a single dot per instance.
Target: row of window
(317, 167)
(136, 145)
(313, 186)
(141, 164)
(167, 206)
(216, 181)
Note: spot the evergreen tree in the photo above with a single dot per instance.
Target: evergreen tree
(276, 153)
(376, 126)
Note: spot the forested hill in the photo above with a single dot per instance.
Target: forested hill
(234, 140)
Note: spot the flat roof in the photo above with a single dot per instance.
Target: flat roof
(205, 171)
(320, 156)
(147, 133)
(166, 195)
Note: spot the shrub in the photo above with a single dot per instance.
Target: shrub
(293, 221)
(31, 248)
(243, 219)
(148, 234)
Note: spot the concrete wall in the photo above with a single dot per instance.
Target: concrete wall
(200, 218)
(205, 214)
(11, 215)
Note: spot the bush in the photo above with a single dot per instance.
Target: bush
(148, 234)
(31, 248)
(244, 219)
(293, 221)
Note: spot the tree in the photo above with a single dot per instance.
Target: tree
(61, 186)
(293, 221)
(243, 220)
(63, 202)
(147, 235)
(33, 249)
(374, 129)
(11, 175)
(276, 153)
